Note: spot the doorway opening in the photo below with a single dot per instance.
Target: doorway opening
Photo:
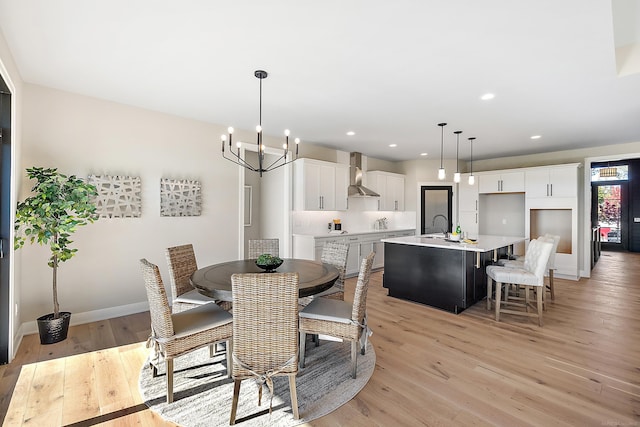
(610, 205)
(265, 203)
(436, 206)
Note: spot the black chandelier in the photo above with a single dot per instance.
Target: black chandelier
(237, 159)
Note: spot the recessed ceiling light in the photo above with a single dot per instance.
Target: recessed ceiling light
(487, 96)
(423, 154)
(536, 137)
(393, 145)
(351, 133)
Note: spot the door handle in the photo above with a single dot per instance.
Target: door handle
(1, 248)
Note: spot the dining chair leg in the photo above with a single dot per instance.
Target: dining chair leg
(228, 356)
(497, 300)
(553, 294)
(169, 374)
(317, 339)
(354, 358)
(303, 339)
(294, 396)
(526, 299)
(489, 291)
(539, 300)
(234, 403)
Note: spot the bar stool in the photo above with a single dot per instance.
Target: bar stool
(530, 277)
(519, 263)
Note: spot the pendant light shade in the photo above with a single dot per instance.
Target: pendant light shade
(472, 179)
(456, 176)
(441, 173)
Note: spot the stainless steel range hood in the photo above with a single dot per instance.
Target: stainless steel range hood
(356, 189)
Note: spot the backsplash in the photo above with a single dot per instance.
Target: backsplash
(354, 220)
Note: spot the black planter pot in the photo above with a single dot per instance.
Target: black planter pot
(53, 330)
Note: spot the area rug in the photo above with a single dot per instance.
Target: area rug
(203, 393)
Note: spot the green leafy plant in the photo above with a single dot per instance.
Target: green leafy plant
(268, 259)
(58, 206)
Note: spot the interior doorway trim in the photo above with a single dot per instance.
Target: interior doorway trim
(14, 335)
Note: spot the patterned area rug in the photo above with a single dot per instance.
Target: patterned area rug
(203, 393)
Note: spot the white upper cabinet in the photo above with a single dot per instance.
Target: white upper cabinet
(390, 186)
(504, 182)
(342, 187)
(552, 181)
(320, 185)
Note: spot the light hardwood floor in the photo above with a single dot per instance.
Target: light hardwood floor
(433, 368)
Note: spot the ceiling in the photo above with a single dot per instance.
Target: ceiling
(388, 71)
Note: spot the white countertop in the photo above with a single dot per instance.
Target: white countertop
(388, 230)
(484, 243)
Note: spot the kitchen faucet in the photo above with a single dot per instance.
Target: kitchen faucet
(433, 222)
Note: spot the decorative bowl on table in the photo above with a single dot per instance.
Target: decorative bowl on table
(268, 262)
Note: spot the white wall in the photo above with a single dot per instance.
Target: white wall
(81, 135)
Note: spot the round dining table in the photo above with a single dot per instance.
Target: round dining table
(215, 280)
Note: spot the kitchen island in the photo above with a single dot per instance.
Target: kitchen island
(441, 273)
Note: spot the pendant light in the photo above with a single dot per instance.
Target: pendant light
(441, 172)
(472, 179)
(456, 176)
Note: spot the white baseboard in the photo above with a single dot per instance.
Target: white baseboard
(31, 327)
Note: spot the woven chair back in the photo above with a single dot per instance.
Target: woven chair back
(336, 253)
(182, 264)
(265, 323)
(360, 296)
(161, 323)
(258, 247)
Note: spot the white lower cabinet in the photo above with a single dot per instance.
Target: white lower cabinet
(353, 260)
(360, 246)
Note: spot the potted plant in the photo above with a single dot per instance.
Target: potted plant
(58, 206)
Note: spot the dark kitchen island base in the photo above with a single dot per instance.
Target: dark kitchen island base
(449, 279)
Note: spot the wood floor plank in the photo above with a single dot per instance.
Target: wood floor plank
(80, 393)
(432, 367)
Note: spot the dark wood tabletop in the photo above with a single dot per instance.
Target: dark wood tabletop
(215, 280)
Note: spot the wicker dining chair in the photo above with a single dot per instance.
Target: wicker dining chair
(265, 332)
(335, 253)
(340, 319)
(258, 247)
(173, 335)
(182, 263)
